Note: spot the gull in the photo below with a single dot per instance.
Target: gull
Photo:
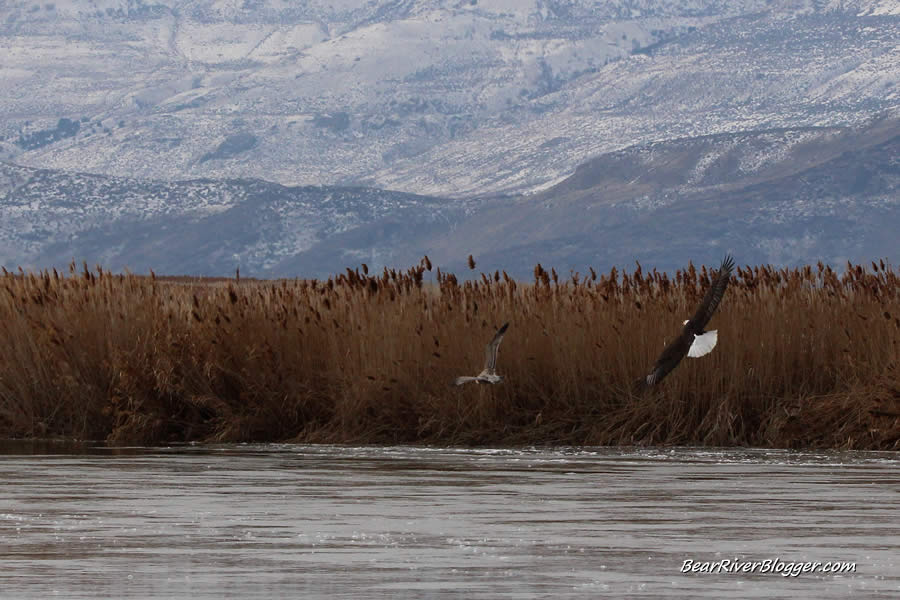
(489, 374)
(694, 341)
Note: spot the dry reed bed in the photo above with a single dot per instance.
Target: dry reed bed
(806, 358)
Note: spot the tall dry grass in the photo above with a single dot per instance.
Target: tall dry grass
(806, 358)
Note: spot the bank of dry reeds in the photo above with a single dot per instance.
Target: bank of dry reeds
(806, 358)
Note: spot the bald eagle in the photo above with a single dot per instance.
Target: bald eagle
(694, 341)
(489, 374)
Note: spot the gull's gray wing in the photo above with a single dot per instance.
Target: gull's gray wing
(490, 351)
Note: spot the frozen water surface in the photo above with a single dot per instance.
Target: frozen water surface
(285, 521)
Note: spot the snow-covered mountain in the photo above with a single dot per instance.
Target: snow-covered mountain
(196, 136)
(203, 226)
(781, 196)
(454, 98)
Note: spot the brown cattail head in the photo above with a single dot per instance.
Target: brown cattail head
(471, 262)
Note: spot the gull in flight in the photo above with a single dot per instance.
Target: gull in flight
(489, 374)
(694, 341)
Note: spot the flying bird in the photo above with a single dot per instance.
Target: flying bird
(694, 340)
(489, 374)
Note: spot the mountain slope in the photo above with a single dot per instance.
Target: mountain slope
(198, 227)
(443, 97)
(787, 196)
(784, 196)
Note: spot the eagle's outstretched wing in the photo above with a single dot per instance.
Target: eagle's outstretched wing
(670, 357)
(712, 297)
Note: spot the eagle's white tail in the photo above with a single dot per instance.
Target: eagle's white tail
(703, 344)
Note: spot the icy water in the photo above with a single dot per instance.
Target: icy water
(320, 522)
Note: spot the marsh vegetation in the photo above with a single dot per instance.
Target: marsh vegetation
(806, 357)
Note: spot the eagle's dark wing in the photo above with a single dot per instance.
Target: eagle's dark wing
(670, 357)
(490, 351)
(713, 296)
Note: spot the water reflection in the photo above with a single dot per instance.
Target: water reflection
(318, 521)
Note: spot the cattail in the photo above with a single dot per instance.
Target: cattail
(471, 263)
